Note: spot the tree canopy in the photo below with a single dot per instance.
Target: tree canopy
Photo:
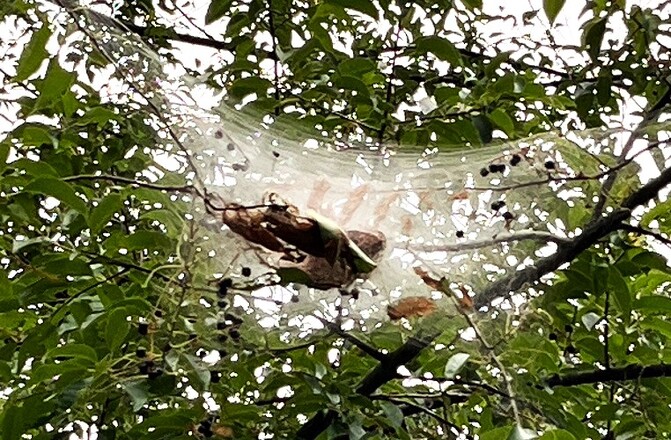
(111, 329)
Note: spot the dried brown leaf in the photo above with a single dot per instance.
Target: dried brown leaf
(411, 307)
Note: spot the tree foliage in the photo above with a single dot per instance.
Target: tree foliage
(103, 329)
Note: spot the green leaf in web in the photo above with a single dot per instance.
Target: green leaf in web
(33, 54)
(455, 364)
(502, 120)
(55, 84)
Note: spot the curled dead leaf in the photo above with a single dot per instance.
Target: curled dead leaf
(428, 280)
(411, 307)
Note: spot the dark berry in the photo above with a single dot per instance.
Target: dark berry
(218, 134)
(355, 294)
(552, 336)
(222, 338)
(294, 299)
(224, 285)
(460, 234)
(498, 205)
(141, 352)
(62, 295)
(549, 164)
(153, 374)
(221, 325)
(515, 159)
(276, 154)
(192, 336)
(223, 353)
(144, 368)
(143, 328)
(493, 168)
(568, 328)
(484, 172)
(215, 376)
(571, 349)
(246, 271)
(234, 333)
(230, 147)
(222, 303)
(508, 215)
(158, 314)
(233, 318)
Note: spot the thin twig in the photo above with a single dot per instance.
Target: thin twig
(642, 231)
(366, 348)
(503, 238)
(128, 181)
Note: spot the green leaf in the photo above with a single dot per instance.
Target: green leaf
(81, 351)
(497, 433)
(621, 292)
(33, 54)
(455, 364)
(247, 86)
(147, 240)
(55, 84)
(503, 121)
(4, 154)
(393, 413)
(473, 4)
(293, 275)
(557, 434)
(63, 191)
(216, 10)
(137, 391)
(593, 36)
(441, 48)
(363, 6)
(98, 115)
(552, 9)
(102, 213)
(654, 303)
(117, 328)
(13, 423)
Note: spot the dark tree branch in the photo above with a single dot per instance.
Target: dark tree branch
(363, 346)
(383, 373)
(649, 116)
(566, 252)
(629, 372)
(386, 370)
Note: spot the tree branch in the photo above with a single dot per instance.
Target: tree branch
(566, 252)
(501, 238)
(626, 373)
